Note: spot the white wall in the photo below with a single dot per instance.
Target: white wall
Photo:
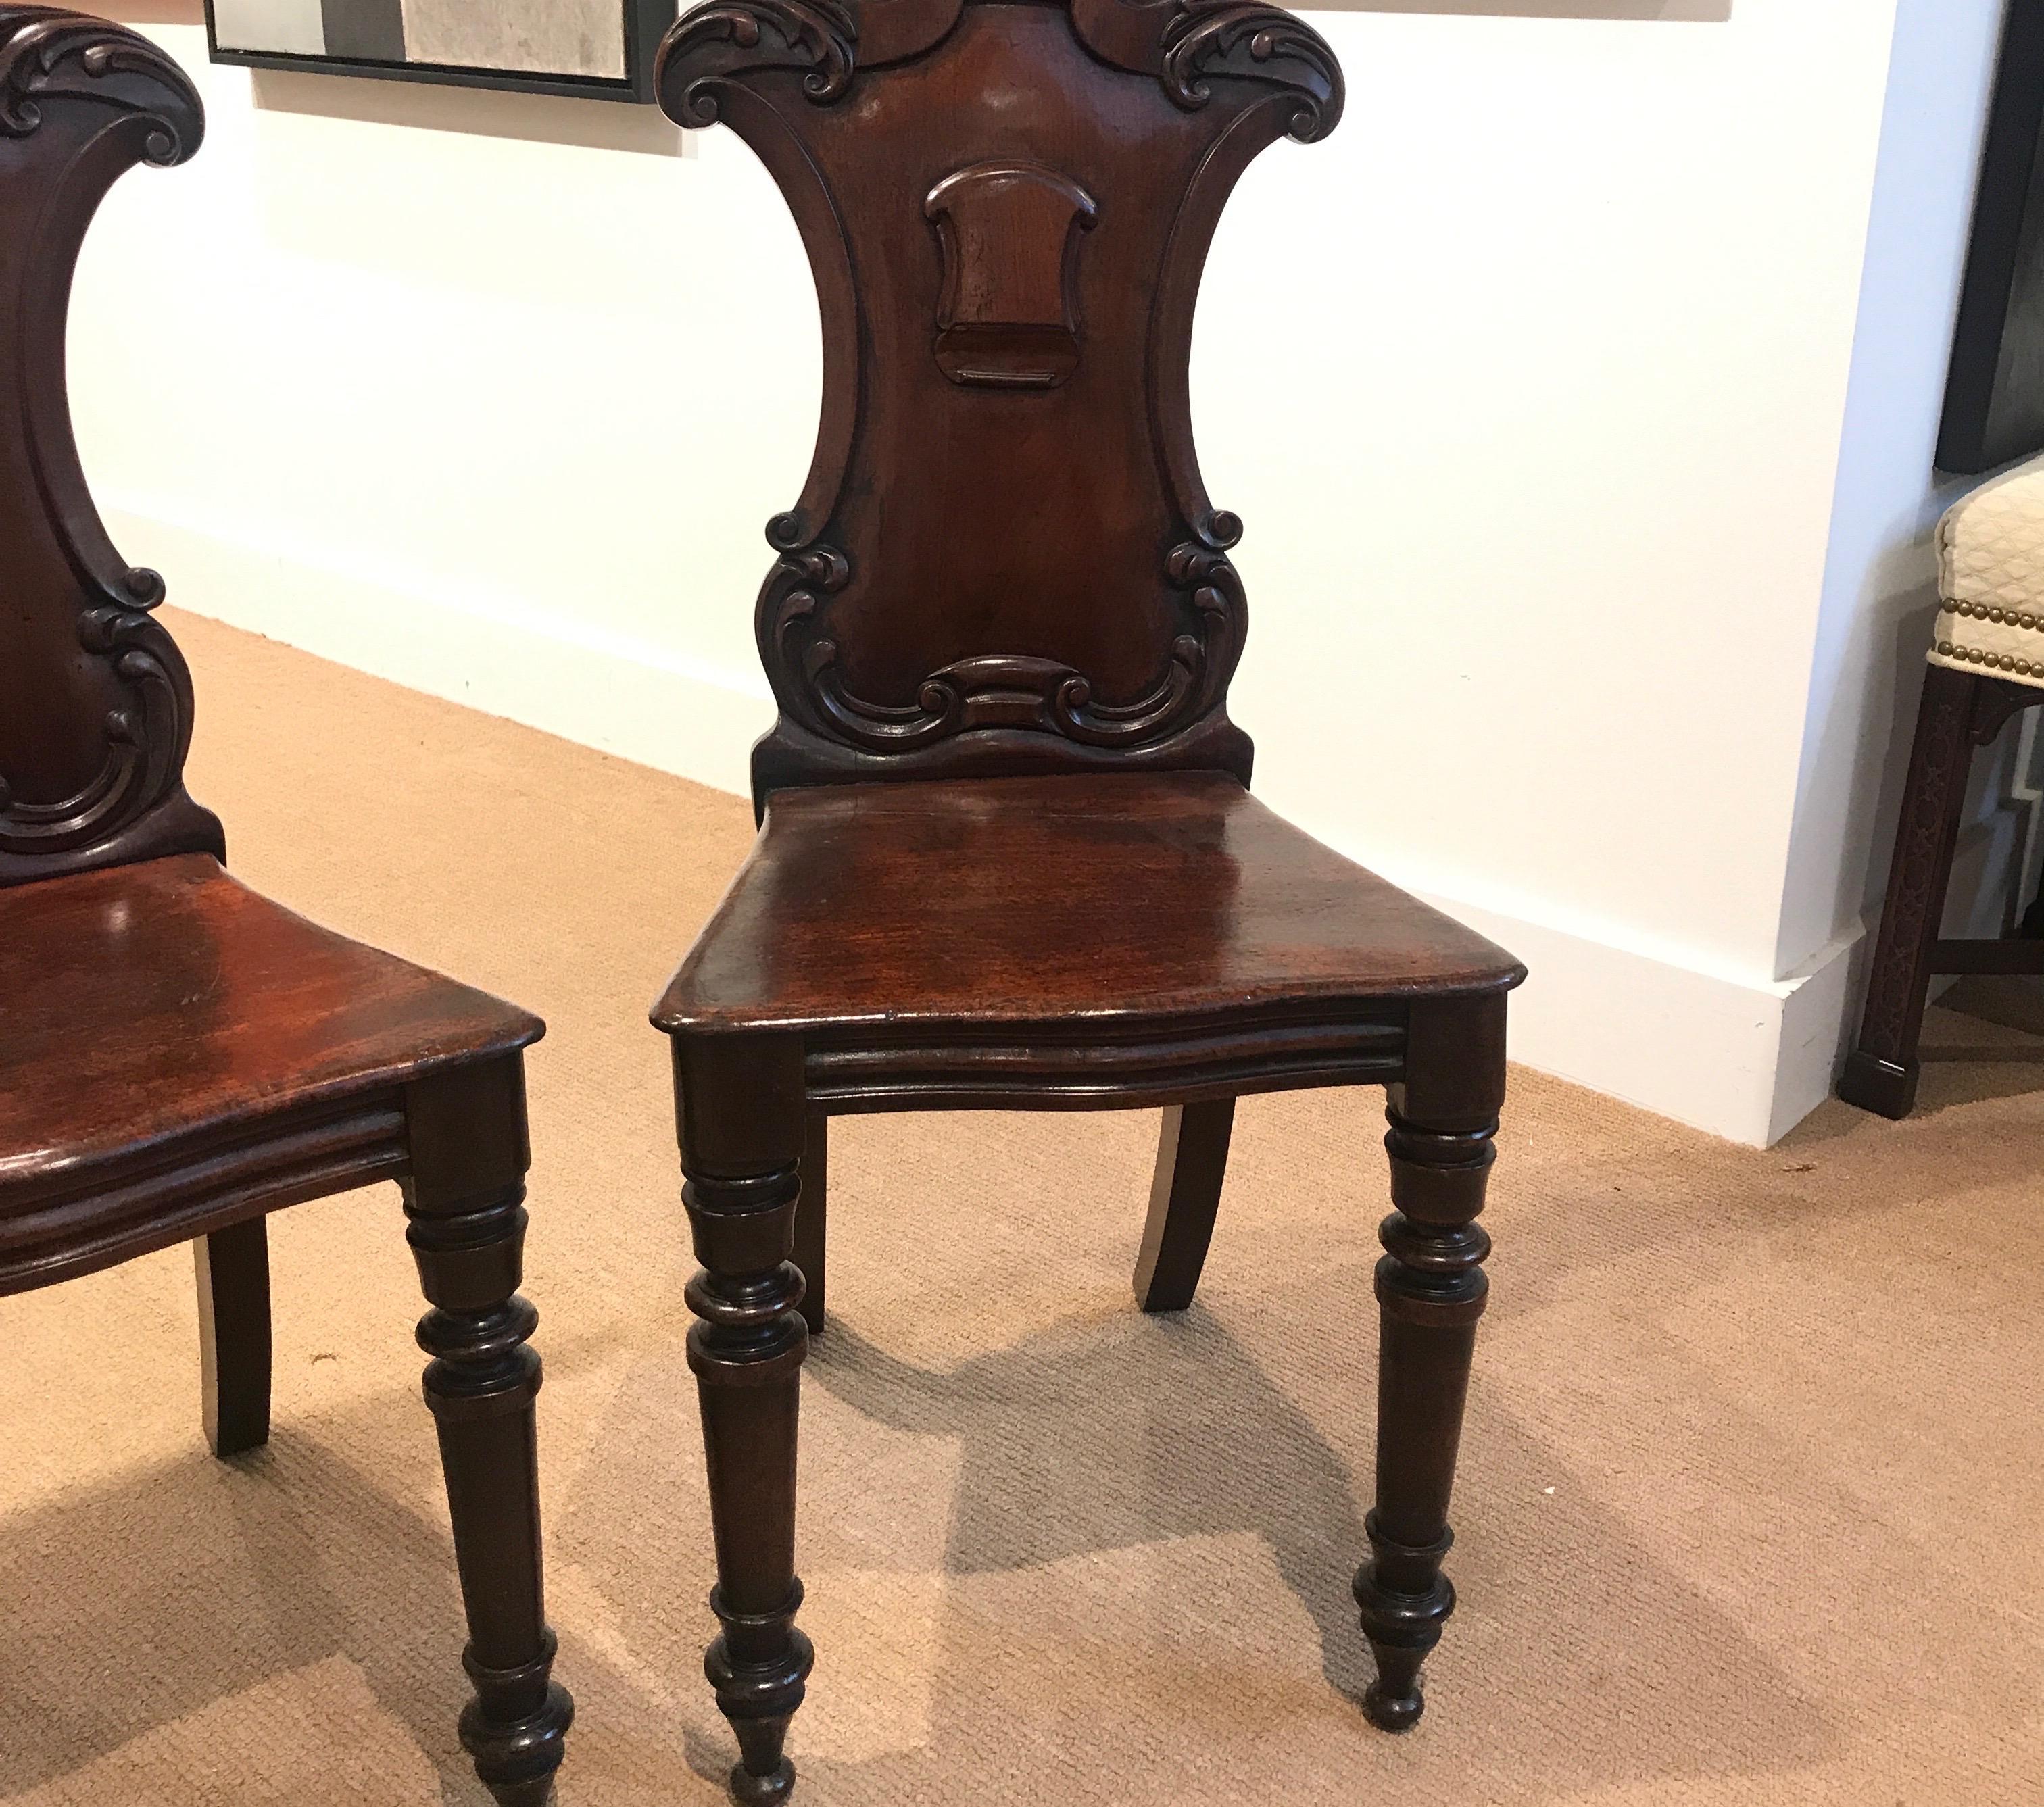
(1530, 383)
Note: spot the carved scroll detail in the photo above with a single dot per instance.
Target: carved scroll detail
(48, 52)
(1001, 690)
(124, 88)
(1207, 38)
(146, 744)
(819, 36)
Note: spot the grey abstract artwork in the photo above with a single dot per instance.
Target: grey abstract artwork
(601, 47)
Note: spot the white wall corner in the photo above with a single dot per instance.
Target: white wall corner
(1743, 1058)
(1820, 1011)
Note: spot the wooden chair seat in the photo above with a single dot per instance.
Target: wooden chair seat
(176, 1047)
(979, 942)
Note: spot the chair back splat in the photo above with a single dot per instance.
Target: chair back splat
(95, 703)
(1003, 560)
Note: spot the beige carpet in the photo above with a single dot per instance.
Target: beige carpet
(1751, 1494)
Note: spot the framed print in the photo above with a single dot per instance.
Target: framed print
(1994, 399)
(602, 49)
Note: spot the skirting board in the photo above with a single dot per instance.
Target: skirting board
(612, 692)
(1746, 1060)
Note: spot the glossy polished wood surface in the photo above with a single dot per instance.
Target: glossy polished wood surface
(95, 702)
(179, 1056)
(1008, 858)
(1076, 900)
(148, 1002)
(1004, 559)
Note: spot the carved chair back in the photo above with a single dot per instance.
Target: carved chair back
(1003, 560)
(95, 703)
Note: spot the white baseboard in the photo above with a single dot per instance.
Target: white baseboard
(1746, 1060)
(609, 691)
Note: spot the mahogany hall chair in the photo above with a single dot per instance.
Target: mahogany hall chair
(1008, 858)
(178, 1055)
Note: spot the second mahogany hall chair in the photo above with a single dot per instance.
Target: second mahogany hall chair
(1007, 857)
(178, 1055)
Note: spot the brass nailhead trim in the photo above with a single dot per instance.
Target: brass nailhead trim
(1993, 661)
(2001, 617)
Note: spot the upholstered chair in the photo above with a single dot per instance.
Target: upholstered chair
(1986, 666)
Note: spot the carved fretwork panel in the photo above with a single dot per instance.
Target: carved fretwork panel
(1004, 559)
(95, 703)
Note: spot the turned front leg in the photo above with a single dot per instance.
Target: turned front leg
(1431, 1290)
(742, 1141)
(465, 1207)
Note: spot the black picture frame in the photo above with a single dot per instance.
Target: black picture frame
(1994, 396)
(646, 23)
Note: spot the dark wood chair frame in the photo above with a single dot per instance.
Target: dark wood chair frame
(1962, 711)
(1007, 207)
(93, 687)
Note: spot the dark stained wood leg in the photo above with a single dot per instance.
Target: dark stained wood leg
(233, 1270)
(812, 1220)
(1184, 1195)
(1881, 1072)
(1431, 1289)
(742, 1132)
(465, 1201)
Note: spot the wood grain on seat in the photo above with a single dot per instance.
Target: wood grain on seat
(149, 1010)
(1082, 898)
(168, 996)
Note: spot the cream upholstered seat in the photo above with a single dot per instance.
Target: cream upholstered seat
(1991, 577)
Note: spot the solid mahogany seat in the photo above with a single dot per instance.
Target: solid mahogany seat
(1007, 857)
(160, 1014)
(904, 918)
(179, 1056)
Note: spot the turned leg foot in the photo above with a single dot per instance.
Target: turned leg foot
(1184, 1198)
(1431, 1290)
(233, 1274)
(1405, 1600)
(758, 1667)
(742, 1138)
(465, 1204)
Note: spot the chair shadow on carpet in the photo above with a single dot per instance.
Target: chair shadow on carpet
(205, 1579)
(1111, 1434)
(137, 1605)
(1128, 1433)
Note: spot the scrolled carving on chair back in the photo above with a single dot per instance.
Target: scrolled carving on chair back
(1004, 559)
(95, 702)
